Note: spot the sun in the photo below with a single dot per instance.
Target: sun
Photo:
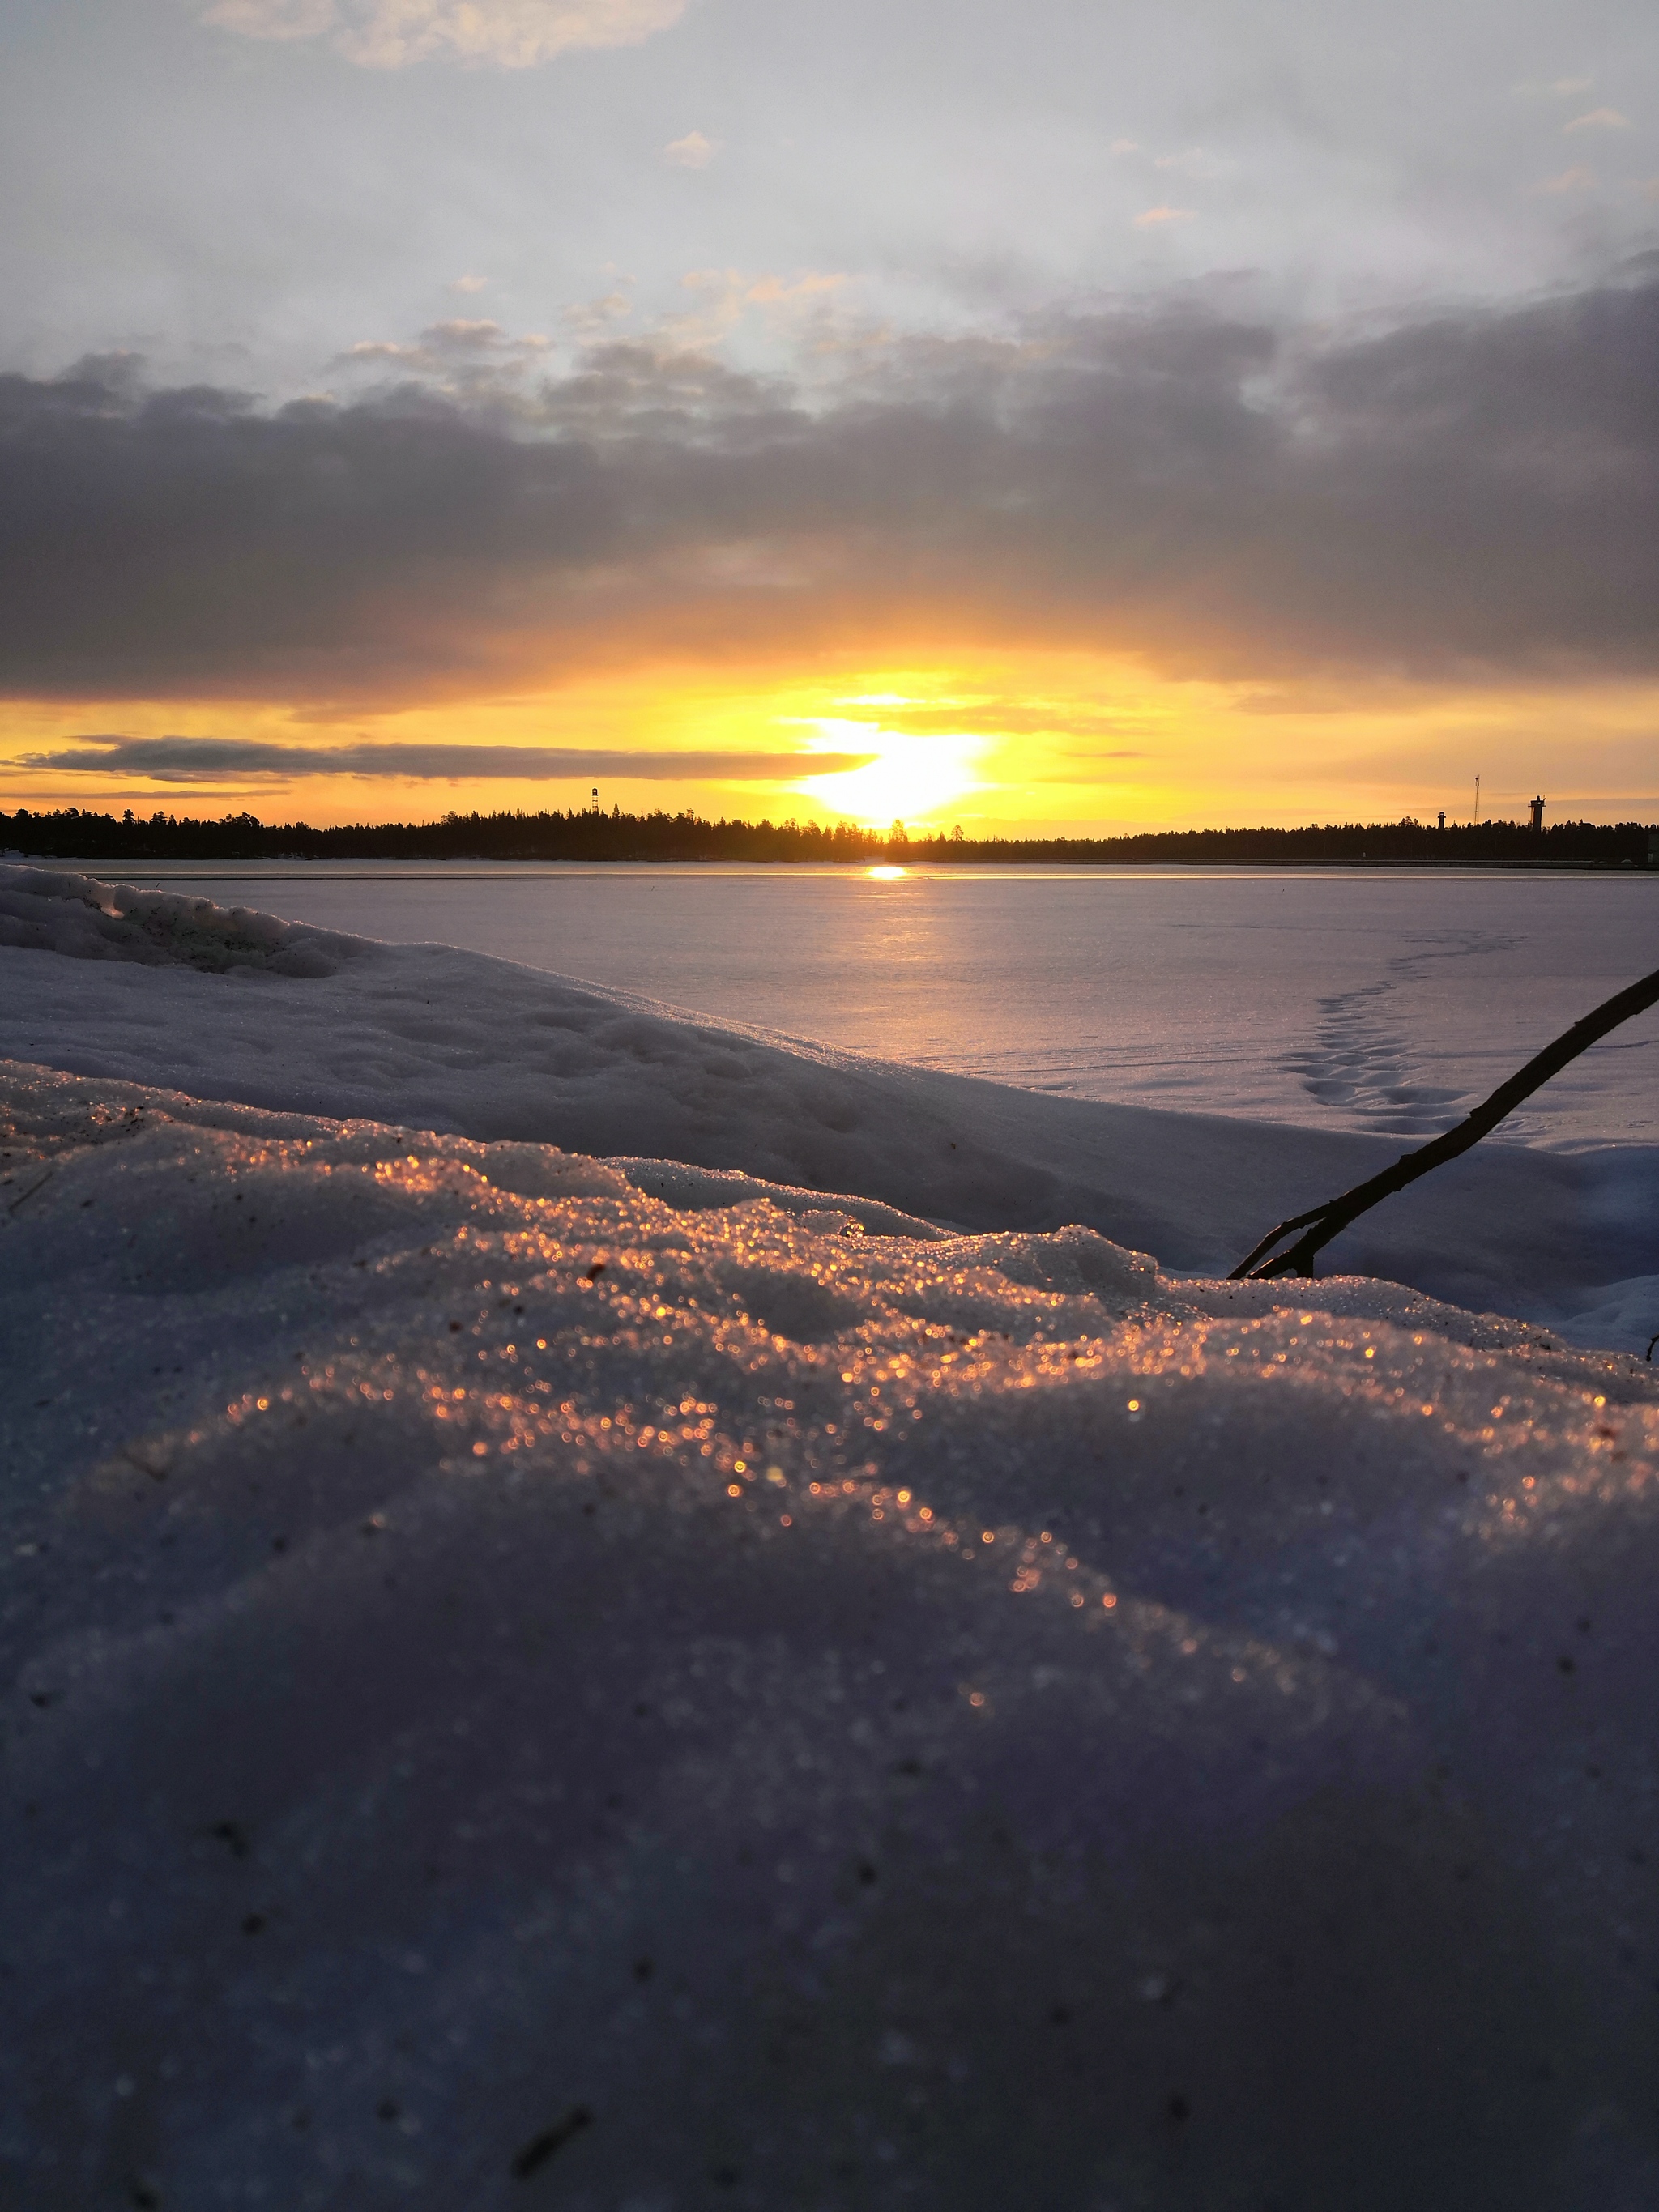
(910, 778)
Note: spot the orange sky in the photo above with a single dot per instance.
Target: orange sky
(1037, 742)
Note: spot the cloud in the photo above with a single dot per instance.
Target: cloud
(1194, 162)
(1224, 497)
(459, 330)
(1088, 769)
(212, 760)
(1003, 717)
(465, 356)
(1576, 179)
(694, 151)
(469, 283)
(591, 319)
(274, 19)
(393, 34)
(1152, 218)
(1599, 119)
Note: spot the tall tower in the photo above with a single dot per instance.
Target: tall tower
(1538, 817)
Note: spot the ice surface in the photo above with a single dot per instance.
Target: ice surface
(441, 1039)
(1360, 1000)
(601, 1684)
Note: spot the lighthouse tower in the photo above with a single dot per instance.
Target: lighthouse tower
(1538, 816)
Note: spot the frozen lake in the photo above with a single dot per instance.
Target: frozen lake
(1386, 1001)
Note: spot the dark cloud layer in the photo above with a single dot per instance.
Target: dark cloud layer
(1472, 493)
(204, 760)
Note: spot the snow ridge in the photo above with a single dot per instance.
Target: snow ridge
(532, 1671)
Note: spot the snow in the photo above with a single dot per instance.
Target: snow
(1381, 1002)
(56, 910)
(622, 1682)
(437, 1038)
(1192, 1748)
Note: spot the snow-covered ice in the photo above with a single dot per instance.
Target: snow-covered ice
(437, 1038)
(625, 1683)
(1377, 1001)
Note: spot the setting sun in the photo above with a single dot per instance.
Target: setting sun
(911, 778)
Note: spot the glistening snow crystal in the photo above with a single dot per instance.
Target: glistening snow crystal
(611, 1685)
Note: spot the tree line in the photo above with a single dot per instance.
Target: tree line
(77, 833)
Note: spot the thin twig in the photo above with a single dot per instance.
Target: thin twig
(19, 1202)
(1320, 1223)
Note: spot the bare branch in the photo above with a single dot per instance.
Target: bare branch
(1320, 1223)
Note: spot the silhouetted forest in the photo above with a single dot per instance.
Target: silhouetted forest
(76, 833)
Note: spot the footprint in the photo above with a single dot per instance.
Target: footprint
(1360, 1061)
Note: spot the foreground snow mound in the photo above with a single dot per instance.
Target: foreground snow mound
(437, 1039)
(531, 1687)
(48, 910)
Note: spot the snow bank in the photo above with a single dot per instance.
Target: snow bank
(46, 910)
(435, 1038)
(612, 1686)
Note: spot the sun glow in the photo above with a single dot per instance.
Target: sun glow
(910, 779)
(1023, 744)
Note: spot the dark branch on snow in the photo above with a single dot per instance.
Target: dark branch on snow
(1322, 1223)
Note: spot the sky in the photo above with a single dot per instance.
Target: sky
(1050, 417)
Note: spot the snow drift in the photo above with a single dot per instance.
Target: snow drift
(614, 1684)
(49, 910)
(431, 1037)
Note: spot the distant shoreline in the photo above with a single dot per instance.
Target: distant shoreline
(635, 840)
(460, 867)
